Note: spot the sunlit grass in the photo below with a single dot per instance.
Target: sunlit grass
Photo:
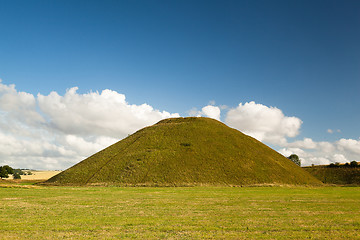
(180, 213)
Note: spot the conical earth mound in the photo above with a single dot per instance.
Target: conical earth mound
(185, 151)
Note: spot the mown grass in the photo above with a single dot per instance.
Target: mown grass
(180, 213)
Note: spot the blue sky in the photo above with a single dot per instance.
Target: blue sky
(301, 57)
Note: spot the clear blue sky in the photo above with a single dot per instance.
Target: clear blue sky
(300, 56)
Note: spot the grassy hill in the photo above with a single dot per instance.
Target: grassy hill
(185, 151)
(339, 175)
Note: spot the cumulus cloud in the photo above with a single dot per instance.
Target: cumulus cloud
(207, 111)
(211, 112)
(19, 106)
(350, 145)
(264, 123)
(54, 131)
(307, 143)
(322, 153)
(106, 113)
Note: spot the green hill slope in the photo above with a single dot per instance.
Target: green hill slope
(342, 176)
(185, 151)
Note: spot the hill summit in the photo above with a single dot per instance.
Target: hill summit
(182, 152)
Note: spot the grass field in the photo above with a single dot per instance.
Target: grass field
(179, 213)
(37, 175)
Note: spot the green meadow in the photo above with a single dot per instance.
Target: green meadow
(39, 212)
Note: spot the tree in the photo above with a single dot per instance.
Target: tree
(295, 159)
(16, 176)
(9, 170)
(353, 164)
(19, 171)
(331, 165)
(3, 173)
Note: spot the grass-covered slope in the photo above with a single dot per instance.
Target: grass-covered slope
(185, 151)
(342, 176)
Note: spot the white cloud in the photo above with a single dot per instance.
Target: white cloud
(211, 112)
(105, 114)
(316, 161)
(331, 131)
(307, 158)
(340, 158)
(84, 146)
(326, 147)
(350, 145)
(54, 131)
(311, 152)
(20, 106)
(288, 151)
(207, 111)
(264, 123)
(307, 143)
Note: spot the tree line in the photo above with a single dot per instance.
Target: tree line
(6, 170)
(352, 164)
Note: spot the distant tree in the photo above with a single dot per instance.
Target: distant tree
(19, 171)
(331, 165)
(295, 159)
(16, 176)
(3, 173)
(8, 169)
(334, 165)
(353, 164)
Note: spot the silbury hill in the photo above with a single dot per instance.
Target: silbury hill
(185, 152)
